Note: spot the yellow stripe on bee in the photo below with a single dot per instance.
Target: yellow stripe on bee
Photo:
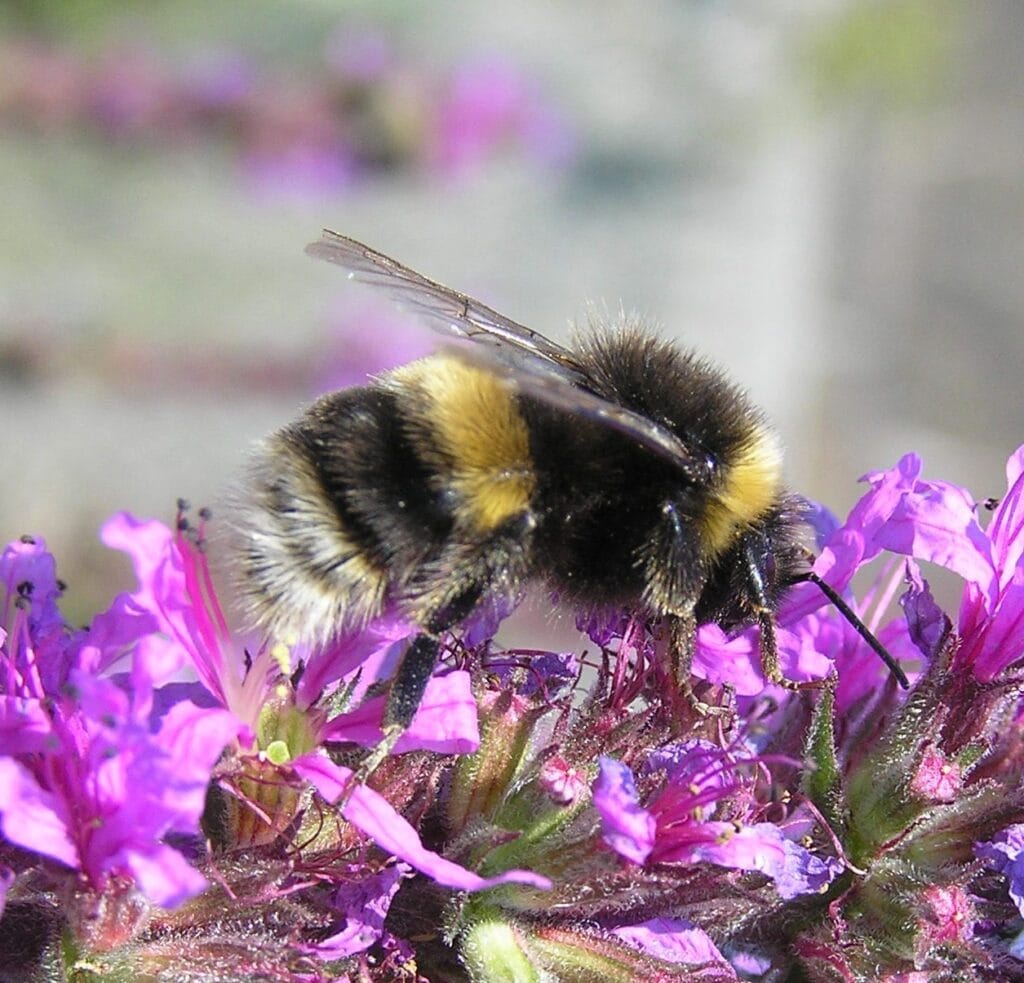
(750, 487)
(476, 425)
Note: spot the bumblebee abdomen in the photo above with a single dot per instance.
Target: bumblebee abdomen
(341, 505)
(357, 504)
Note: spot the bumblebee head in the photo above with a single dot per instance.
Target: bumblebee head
(756, 570)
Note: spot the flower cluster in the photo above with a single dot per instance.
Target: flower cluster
(177, 798)
(362, 110)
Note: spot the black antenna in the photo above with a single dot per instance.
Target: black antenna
(850, 615)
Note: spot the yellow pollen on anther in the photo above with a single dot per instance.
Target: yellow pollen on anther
(282, 655)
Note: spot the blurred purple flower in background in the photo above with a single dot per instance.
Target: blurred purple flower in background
(488, 104)
(363, 109)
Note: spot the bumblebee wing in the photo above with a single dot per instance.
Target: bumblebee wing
(535, 365)
(557, 389)
(448, 311)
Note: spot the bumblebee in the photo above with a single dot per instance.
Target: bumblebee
(621, 472)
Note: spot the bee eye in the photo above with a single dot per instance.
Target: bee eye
(770, 567)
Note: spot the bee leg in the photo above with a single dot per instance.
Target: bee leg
(682, 636)
(410, 682)
(769, 653)
(403, 701)
(768, 649)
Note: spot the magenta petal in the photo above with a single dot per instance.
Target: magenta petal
(799, 661)
(113, 632)
(936, 521)
(446, 721)
(674, 940)
(720, 659)
(31, 817)
(24, 725)
(876, 506)
(626, 826)
(1006, 529)
(149, 545)
(375, 816)
(737, 661)
(998, 642)
(374, 651)
(194, 737)
(162, 874)
(763, 847)
(758, 847)
(365, 905)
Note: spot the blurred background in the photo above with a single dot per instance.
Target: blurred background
(825, 196)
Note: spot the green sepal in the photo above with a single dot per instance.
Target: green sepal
(823, 781)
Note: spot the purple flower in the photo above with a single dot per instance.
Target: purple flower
(88, 778)
(938, 522)
(175, 588)
(364, 904)
(108, 787)
(902, 514)
(762, 847)
(671, 827)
